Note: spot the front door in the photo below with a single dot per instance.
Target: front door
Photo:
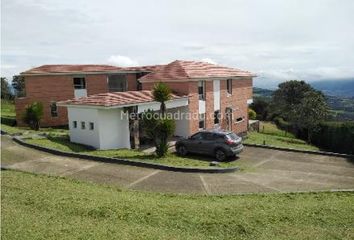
(228, 114)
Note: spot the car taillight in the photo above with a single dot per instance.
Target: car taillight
(229, 142)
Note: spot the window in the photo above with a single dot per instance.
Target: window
(240, 119)
(79, 83)
(74, 124)
(117, 83)
(197, 136)
(92, 126)
(53, 109)
(229, 86)
(83, 125)
(139, 86)
(217, 117)
(201, 90)
(202, 121)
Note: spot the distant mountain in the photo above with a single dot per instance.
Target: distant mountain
(341, 88)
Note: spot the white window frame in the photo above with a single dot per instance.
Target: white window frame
(81, 85)
(201, 119)
(201, 96)
(83, 125)
(74, 124)
(53, 114)
(92, 126)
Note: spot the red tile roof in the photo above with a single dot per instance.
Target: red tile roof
(185, 70)
(64, 68)
(115, 99)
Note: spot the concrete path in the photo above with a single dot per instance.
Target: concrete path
(264, 171)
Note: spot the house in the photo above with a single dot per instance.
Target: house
(100, 97)
(49, 84)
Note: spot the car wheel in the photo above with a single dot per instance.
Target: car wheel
(220, 155)
(182, 150)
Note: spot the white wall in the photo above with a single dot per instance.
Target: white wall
(216, 89)
(114, 129)
(111, 131)
(84, 136)
(182, 123)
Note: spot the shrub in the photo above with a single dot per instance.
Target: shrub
(252, 114)
(33, 115)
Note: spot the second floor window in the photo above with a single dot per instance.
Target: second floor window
(79, 83)
(53, 109)
(117, 83)
(201, 90)
(229, 86)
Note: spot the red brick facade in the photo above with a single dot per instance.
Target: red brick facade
(241, 92)
(53, 88)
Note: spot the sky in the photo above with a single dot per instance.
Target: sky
(277, 40)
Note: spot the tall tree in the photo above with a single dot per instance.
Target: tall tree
(310, 112)
(288, 95)
(18, 83)
(5, 89)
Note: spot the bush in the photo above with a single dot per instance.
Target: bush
(252, 114)
(33, 115)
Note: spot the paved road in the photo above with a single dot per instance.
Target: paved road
(264, 171)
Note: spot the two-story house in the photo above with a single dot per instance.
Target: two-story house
(208, 95)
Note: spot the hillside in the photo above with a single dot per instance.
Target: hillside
(340, 88)
(341, 108)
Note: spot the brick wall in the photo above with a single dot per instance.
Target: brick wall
(54, 88)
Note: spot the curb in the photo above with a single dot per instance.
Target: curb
(301, 151)
(125, 161)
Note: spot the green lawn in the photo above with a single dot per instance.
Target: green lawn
(274, 136)
(63, 144)
(7, 108)
(43, 207)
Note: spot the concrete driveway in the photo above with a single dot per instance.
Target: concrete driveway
(265, 170)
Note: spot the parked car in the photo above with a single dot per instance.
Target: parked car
(218, 143)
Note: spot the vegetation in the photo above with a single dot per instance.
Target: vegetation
(18, 83)
(271, 135)
(8, 108)
(336, 137)
(252, 114)
(5, 90)
(261, 106)
(160, 128)
(44, 207)
(33, 115)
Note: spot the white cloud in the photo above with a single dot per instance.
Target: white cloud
(122, 61)
(208, 60)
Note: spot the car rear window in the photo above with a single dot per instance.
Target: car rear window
(232, 136)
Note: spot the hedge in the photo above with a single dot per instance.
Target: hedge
(336, 137)
(331, 136)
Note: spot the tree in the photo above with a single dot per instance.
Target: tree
(288, 95)
(310, 112)
(252, 114)
(261, 107)
(18, 83)
(33, 115)
(5, 90)
(158, 126)
(162, 93)
(299, 104)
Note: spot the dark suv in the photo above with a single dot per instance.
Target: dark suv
(221, 144)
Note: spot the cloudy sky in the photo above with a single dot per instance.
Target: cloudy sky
(279, 40)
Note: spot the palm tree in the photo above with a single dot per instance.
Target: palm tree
(162, 93)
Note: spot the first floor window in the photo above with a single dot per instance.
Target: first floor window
(202, 121)
(217, 117)
(229, 86)
(79, 83)
(83, 126)
(92, 126)
(74, 124)
(53, 109)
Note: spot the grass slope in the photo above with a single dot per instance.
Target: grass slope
(7, 108)
(273, 136)
(42, 207)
